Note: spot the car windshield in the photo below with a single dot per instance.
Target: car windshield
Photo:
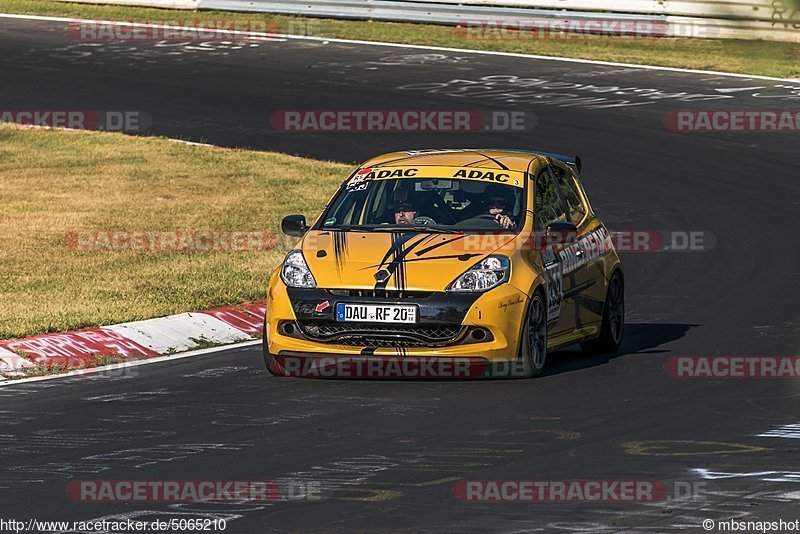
(453, 204)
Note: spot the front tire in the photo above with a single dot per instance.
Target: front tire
(533, 344)
(613, 325)
(269, 360)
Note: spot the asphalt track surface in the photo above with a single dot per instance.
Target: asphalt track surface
(388, 453)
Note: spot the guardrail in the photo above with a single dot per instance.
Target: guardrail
(777, 20)
(759, 19)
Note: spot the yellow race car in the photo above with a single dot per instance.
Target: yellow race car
(490, 257)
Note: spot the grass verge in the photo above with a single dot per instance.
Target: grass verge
(56, 183)
(729, 55)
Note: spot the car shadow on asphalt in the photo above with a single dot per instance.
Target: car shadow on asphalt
(641, 338)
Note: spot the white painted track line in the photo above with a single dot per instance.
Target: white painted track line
(124, 365)
(412, 47)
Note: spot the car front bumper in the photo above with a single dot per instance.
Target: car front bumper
(484, 327)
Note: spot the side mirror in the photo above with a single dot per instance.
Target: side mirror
(560, 234)
(294, 225)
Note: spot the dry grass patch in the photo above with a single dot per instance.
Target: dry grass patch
(53, 183)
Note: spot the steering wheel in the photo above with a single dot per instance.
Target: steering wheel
(484, 221)
(488, 217)
(424, 221)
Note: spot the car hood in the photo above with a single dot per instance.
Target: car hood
(410, 261)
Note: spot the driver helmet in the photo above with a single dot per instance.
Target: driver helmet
(497, 196)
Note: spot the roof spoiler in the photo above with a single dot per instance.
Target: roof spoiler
(572, 161)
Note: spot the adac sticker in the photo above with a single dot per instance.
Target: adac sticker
(380, 174)
(475, 174)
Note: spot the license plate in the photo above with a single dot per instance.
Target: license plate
(376, 313)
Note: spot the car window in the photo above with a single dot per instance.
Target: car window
(548, 206)
(346, 211)
(569, 191)
(443, 203)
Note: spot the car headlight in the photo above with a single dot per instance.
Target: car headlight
(488, 273)
(295, 272)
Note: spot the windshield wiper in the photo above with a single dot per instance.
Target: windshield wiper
(409, 228)
(346, 228)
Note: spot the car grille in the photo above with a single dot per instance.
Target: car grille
(381, 293)
(378, 335)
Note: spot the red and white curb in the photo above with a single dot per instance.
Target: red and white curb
(133, 341)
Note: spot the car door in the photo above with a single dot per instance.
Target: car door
(581, 261)
(548, 207)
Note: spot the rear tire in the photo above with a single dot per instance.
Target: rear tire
(613, 325)
(533, 338)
